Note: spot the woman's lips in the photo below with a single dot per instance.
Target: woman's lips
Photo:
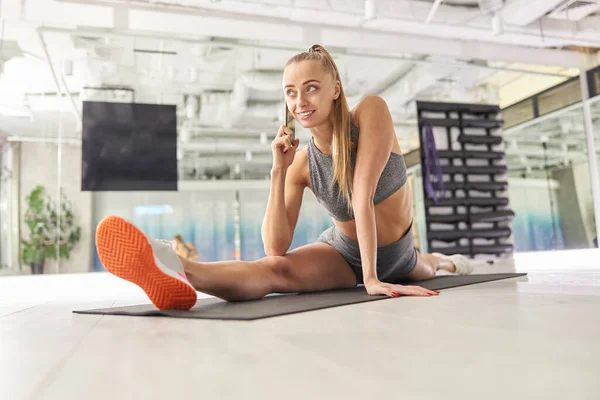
(305, 114)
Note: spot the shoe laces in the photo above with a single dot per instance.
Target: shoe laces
(165, 242)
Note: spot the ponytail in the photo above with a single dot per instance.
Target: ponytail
(341, 121)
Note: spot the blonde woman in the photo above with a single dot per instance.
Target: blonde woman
(353, 166)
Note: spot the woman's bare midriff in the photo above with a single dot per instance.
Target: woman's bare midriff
(393, 216)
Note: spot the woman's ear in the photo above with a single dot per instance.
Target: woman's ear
(337, 90)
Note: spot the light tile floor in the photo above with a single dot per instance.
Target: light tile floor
(536, 337)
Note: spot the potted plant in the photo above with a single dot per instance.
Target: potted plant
(47, 231)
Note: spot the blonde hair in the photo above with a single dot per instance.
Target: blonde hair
(340, 118)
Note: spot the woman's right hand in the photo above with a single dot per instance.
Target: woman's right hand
(283, 148)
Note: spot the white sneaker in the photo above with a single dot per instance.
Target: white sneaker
(463, 265)
(152, 264)
(167, 257)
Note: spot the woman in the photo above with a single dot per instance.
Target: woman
(371, 208)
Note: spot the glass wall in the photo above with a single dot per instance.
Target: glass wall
(550, 182)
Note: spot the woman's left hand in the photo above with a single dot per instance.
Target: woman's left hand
(377, 287)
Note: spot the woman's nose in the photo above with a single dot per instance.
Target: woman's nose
(301, 101)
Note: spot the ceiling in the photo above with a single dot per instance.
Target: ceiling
(221, 62)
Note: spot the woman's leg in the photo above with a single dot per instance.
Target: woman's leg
(428, 265)
(312, 267)
(128, 253)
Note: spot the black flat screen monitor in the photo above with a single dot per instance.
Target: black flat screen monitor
(128, 146)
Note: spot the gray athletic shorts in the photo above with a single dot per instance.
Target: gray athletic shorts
(394, 261)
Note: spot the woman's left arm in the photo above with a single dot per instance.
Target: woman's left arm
(373, 151)
(374, 147)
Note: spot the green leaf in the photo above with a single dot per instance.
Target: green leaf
(45, 231)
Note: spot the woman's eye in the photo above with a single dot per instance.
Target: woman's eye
(311, 87)
(289, 92)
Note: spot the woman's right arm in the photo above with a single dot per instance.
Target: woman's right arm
(285, 198)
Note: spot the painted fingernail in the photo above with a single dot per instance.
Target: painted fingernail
(394, 294)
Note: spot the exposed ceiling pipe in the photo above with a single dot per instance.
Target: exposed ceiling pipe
(536, 152)
(370, 10)
(434, 8)
(202, 131)
(264, 18)
(493, 7)
(34, 139)
(574, 10)
(197, 159)
(269, 80)
(266, 110)
(235, 43)
(216, 145)
(524, 12)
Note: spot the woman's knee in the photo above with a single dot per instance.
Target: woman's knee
(423, 270)
(282, 271)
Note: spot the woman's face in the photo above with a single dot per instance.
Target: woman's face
(309, 92)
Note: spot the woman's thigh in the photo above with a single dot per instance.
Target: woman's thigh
(313, 267)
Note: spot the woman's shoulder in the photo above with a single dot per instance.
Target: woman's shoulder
(369, 104)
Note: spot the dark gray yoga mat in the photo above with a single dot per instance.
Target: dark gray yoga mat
(281, 304)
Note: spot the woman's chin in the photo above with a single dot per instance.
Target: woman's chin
(309, 124)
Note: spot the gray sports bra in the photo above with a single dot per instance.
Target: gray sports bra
(320, 168)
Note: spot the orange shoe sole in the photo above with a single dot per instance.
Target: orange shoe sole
(125, 252)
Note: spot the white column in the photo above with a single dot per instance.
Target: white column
(591, 146)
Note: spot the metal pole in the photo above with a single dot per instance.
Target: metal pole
(591, 147)
(237, 225)
(58, 189)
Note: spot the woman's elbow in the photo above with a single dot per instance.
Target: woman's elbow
(278, 248)
(273, 251)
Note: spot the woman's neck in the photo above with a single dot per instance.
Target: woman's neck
(323, 137)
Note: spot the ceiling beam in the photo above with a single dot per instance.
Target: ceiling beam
(197, 21)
